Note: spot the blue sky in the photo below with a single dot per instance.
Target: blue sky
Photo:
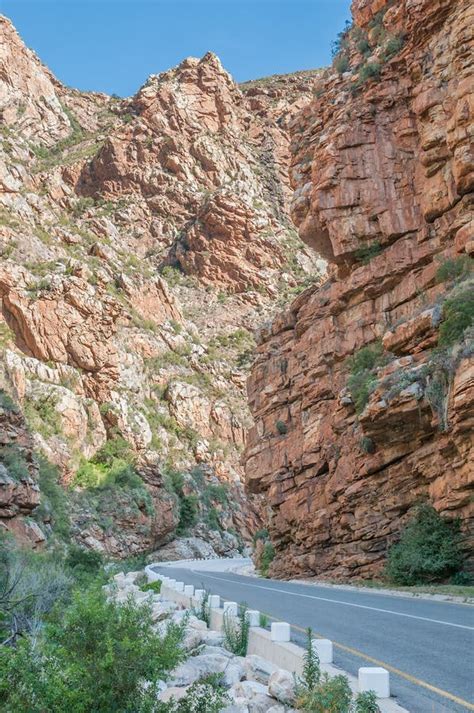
(113, 45)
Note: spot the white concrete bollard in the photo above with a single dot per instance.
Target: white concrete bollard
(280, 631)
(253, 617)
(179, 586)
(199, 594)
(214, 601)
(375, 679)
(231, 608)
(188, 590)
(323, 648)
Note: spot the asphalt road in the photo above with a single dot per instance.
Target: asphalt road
(429, 643)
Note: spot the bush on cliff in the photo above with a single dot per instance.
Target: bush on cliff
(457, 316)
(428, 550)
(362, 379)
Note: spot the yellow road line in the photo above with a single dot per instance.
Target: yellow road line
(407, 676)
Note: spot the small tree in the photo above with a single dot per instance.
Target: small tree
(428, 550)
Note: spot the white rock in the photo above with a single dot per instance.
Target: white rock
(255, 695)
(172, 692)
(259, 669)
(281, 686)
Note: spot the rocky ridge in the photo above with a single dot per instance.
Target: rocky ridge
(363, 390)
(142, 239)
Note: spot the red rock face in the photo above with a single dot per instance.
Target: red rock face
(387, 164)
(142, 240)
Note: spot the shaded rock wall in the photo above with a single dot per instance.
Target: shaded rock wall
(383, 178)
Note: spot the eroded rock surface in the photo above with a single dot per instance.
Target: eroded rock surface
(142, 241)
(383, 175)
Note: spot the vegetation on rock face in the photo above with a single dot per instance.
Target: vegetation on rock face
(428, 550)
(362, 379)
(457, 316)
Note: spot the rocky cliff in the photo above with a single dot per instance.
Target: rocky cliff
(363, 390)
(142, 240)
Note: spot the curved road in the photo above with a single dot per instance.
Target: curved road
(427, 645)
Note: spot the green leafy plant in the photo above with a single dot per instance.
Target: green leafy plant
(392, 47)
(84, 561)
(267, 558)
(428, 550)
(311, 674)
(203, 611)
(366, 253)
(457, 316)
(454, 268)
(152, 586)
(14, 460)
(236, 631)
(366, 703)
(54, 503)
(94, 656)
(281, 427)
(316, 692)
(7, 403)
(369, 70)
(341, 63)
(362, 379)
(263, 620)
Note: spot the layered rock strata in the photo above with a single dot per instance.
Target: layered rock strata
(383, 174)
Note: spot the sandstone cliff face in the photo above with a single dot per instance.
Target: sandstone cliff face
(142, 240)
(383, 172)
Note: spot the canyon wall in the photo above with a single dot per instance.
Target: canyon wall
(141, 241)
(363, 390)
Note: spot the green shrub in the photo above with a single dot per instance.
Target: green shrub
(366, 703)
(392, 47)
(365, 254)
(7, 403)
(41, 415)
(316, 692)
(263, 620)
(212, 519)
(152, 586)
(332, 695)
(80, 559)
(261, 535)
(454, 268)
(341, 63)
(188, 513)
(367, 444)
(31, 584)
(54, 502)
(203, 611)
(369, 70)
(94, 657)
(13, 458)
(428, 550)
(267, 558)
(281, 427)
(457, 316)
(311, 674)
(363, 46)
(236, 631)
(362, 379)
